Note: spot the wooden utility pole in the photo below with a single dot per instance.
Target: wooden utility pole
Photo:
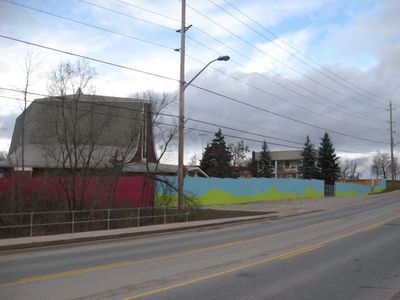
(392, 166)
(181, 202)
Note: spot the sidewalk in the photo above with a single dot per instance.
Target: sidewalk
(59, 239)
(279, 209)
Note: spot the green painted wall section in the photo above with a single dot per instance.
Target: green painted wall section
(219, 191)
(219, 197)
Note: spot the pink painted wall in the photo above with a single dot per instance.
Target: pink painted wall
(97, 192)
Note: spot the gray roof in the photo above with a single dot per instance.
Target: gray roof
(159, 169)
(142, 167)
(282, 155)
(102, 127)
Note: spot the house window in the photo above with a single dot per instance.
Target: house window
(287, 164)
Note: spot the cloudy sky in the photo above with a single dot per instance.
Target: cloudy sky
(297, 67)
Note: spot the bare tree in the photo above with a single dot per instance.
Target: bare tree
(381, 165)
(194, 160)
(29, 67)
(348, 170)
(238, 152)
(165, 130)
(86, 136)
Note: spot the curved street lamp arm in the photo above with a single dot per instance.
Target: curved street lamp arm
(188, 83)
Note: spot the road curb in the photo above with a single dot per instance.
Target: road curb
(109, 235)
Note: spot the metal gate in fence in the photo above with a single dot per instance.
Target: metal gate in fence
(329, 190)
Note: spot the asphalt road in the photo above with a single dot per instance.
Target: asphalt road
(350, 252)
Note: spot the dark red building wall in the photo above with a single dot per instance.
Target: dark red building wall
(96, 192)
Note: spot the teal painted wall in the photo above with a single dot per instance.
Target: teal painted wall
(219, 191)
(352, 189)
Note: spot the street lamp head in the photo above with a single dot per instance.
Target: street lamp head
(224, 58)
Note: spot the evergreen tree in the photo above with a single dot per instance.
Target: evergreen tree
(265, 164)
(328, 161)
(309, 168)
(217, 157)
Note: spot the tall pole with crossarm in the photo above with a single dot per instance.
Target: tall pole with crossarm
(181, 131)
(182, 86)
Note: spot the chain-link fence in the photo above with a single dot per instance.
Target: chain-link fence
(57, 222)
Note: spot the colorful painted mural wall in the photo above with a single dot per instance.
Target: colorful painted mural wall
(215, 191)
(352, 189)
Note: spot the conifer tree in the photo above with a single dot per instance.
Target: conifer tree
(309, 168)
(328, 161)
(217, 157)
(265, 164)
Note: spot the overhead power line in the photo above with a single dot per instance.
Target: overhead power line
(162, 123)
(286, 117)
(279, 61)
(113, 105)
(128, 36)
(149, 11)
(198, 87)
(88, 58)
(157, 122)
(94, 26)
(245, 138)
(348, 85)
(344, 109)
(125, 14)
(291, 102)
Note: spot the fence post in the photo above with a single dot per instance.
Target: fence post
(186, 215)
(108, 219)
(165, 215)
(138, 217)
(31, 233)
(73, 221)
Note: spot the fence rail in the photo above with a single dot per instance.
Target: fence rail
(56, 222)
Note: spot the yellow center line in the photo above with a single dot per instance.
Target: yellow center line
(235, 269)
(282, 256)
(127, 263)
(154, 259)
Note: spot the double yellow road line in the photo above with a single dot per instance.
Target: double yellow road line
(128, 263)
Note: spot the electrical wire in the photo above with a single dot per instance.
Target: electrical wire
(300, 52)
(277, 60)
(93, 26)
(198, 87)
(288, 101)
(284, 49)
(284, 116)
(87, 57)
(114, 32)
(113, 105)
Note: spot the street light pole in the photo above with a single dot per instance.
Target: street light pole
(392, 166)
(223, 58)
(182, 87)
(181, 132)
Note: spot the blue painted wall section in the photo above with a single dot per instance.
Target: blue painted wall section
(215, 191)
(352, 189)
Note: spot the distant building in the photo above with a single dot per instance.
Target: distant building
(83, 131)
(286, 164)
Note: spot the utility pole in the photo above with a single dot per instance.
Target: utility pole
(392, 167)
(181, 202)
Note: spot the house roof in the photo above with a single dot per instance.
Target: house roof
(160, 169)
(143, 167)
(282, 155)
(102, 127)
